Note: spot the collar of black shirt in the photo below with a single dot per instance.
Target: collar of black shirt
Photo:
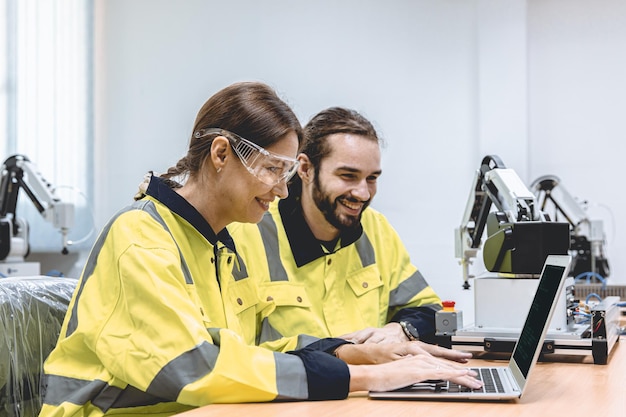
(304, 245)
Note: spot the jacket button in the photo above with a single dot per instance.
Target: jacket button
(212, 260)
(239, 301)
(230, 259)
(270, 298)
(330, 261)
(299, 299)
(365, 285)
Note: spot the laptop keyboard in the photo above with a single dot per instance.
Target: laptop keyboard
(491, 382)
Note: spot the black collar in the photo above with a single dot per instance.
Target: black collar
(304, 246)
(159, 190)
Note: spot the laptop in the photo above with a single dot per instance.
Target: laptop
(503, 382)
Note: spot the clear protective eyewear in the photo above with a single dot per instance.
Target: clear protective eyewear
(266, 166)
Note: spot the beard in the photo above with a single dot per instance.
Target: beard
(330, 208)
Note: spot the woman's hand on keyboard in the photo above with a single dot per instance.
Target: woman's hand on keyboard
(407, 371)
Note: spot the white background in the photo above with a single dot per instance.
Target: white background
(540, 83)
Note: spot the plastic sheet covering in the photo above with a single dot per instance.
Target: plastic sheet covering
(31, 313)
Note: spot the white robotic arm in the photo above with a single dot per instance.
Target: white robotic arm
(587, 235)
(18, 172)
(519, 236)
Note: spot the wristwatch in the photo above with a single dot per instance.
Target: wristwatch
(409, 330)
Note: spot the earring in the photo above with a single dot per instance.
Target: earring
(219, 169)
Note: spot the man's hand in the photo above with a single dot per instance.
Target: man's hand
(373, 353)
(417, 348)
(391, 333)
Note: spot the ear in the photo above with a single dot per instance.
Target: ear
(220, 150)
(306, 170)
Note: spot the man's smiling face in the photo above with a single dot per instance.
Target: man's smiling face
(345, 182)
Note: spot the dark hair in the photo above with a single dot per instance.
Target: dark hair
(324, 124)
(252, 110)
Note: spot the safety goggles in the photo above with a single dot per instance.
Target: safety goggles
(266, 166)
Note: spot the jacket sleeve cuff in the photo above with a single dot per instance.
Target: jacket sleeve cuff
(328, 378)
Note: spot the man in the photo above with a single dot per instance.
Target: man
(332, 265)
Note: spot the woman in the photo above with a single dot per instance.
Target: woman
(164, 317)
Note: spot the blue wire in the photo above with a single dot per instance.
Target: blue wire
(589, 275)
(593, 294)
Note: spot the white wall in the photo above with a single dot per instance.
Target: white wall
(577, 102)
(445, 82)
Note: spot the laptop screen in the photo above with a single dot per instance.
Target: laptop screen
(530, 336)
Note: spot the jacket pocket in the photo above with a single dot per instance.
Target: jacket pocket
(365, 280)
(242, 295)
(285, 294)
(243, 299)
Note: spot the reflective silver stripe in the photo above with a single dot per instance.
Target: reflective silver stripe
(269, 235)
(185, 268)
(267, 333)
(214, 332)
(60, 389)
(435, 307)
(126, 398)
(165, 387)
(239, 269)
(90, 265)
(407, 290)
(150, 208)
(305, 340)
(183, 370)
(291, 381)
(365, 250)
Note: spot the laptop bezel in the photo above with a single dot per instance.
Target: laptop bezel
(560, 261)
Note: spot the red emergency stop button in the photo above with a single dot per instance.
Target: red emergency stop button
(448, 305)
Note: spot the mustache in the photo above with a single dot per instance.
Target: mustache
(353, 200)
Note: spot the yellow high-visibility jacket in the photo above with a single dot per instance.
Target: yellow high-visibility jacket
(165, 318)
(368, 280)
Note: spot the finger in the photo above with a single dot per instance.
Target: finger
(351, 334)
(457, 355)
(348, 336)
(353, 337)
(445, 365)
(461, 357)
(468, 381)
(359, 336)
(461, 376)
